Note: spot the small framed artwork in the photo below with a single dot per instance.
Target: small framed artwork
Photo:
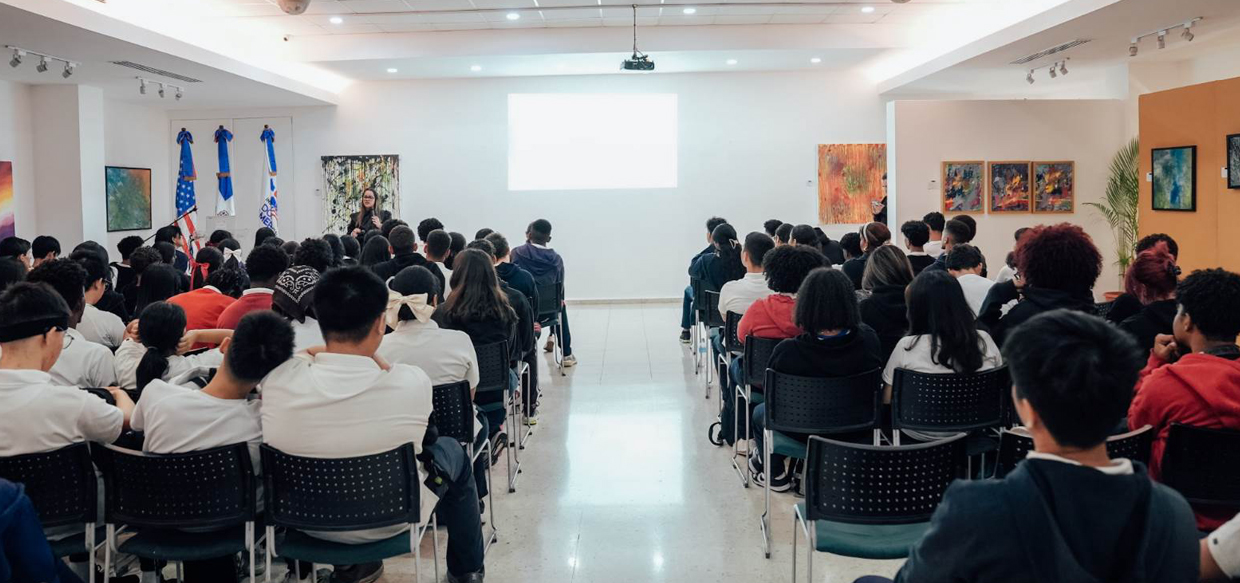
(1054, 187)
(963, 190)
(1233, 161)
(1174, 184)
(1009, 187)
(128, 193)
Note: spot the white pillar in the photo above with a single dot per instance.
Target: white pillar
(69, 161)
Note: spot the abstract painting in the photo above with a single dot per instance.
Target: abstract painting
(346, 177)
(129, 198)
(1009, 187)
(1233, 161)
(850, 179)
(963, 188)
(1054, 187)
(8, 226)
(1174, 178)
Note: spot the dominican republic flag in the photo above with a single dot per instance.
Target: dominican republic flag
(224, 202)
(187, 201)
(267, 212)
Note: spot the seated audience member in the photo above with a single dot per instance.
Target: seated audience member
(262, 234)
(293, 298)
(314, 253)
(404, 249)
(1008, 272)
(1126, 305)
(156, 352)
(1193, 375)
(935, 221)
(965, 263)
(887, 275)
(873, 236)
(804, 235)
(172, 235)
(204, 305)
(82, 363)
(686, 311)
(25, 554)
(386, 228)
(44, 248)
(231, 248)
(11, 271)
(333, 242)
(426, 226)
(124, 272)
(523, 346)
(352, 250)
(510, 273)
(737, 295)
(1067, 513)
(377, 251)
(783, 235)
(1220, 553)
(264, 265)
(275, 242)
(851, 242)
(1058, 265)
(771, 316)
(168, 256)
(1152, 279)
(482, 233)
(109, 299)
(97, 325)
(833, 251)
(545, 264)
(714, 269)
(515, 279)
(835, 344)
(955, 232)
(217, 237)
(290, 247)
(972, 224)
(206, 262)
(771, 226)
(454, 248)
(438, 246)
(916, 234)
(16, 248)
(313, 405)
(157, 283)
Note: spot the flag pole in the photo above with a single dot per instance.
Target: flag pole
(174, 222)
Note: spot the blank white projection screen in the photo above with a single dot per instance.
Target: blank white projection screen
(576, 141)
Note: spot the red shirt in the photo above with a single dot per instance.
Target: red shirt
(769, 317)
(252, 300)
(203, 307)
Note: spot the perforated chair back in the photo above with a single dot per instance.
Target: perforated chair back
(731, 342)
(1134, 445)
(341, 494)
(453, 415)
(1015, 444)
(867, 484)
(550, 298)
(757, 356)
(492, 366)
(61, 483)
(209, 489)
(948, 402)
(710, 310)
(1200, 464)
(823, 405)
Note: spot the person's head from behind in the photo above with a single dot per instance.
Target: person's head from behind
(438, 245)
(402, 241)
(44, 248)
(1153, 275)
(787, 266)
(937, 308)
(539, 232)
(757, 245)
(33, 320)
(771, 226)
(142, 258)
(934, 221)
(1207, 313)
(1149, 241)
(167, 252)
(956, 232)
(293, 294)
(500, 243)
(426, 226)
(457, 245)
(971, 222)
(11, 271)
(261, 342)
(887, 266)
(803, 235)
(851, 243)
(1072, 379)
(1020, 233)
(217, 237)
(349, 303)
(476, 294)
(262, 234)
(16, 248)
(333, 241)
(419, 291)
(352, 248)
(873, 236)
(96, 275)
(159, 282)
(315, 253)
(482, 233)
(916, 235)
(376, 251)
(965, 260)
(290, 247)
(783, 235)
(826, 302)
(1059, 257)
(386, 227)
(484, 246)
(230, 280)
(711, 223)
(94, 249)
(729, 250)
(127, 246)
(68, 279)
(161, 326)
(170, 234)
(208, 260)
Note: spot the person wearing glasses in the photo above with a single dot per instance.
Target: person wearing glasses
(368, 217)
(82, 363)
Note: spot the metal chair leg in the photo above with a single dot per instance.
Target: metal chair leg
(180, 571)
(90, 551)
(109, 533)
(271, 550)
(249, 544)
(740, 458)
(766, 473)
(435, 544)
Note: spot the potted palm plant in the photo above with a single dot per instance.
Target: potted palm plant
(1119, 207)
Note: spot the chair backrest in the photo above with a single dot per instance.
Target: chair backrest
(453, 415)
(209, 488)
(1200, 464)
(823, 405)
(492, 366)
(867, 484)
(948, 402)
(61, 483)
(550, 297)
(341, 494)
(1015, 444)
(710, 310)
(731, 342)
(757, 355)
(1134, 445)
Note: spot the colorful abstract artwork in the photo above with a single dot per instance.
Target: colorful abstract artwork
(346, 177)
(1009, 187)
(129, 198)
(850, 179)
(1174, 178)
(1054, 187)
(8, 224)
(1233, 161)
(964, 187)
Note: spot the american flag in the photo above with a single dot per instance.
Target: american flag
(187, 201)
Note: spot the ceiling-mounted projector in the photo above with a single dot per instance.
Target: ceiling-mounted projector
(638, 63)
(293, 7)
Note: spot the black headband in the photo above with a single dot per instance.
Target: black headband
(27, 329)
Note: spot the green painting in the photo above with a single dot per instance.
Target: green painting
(1174, 178)
(129, 198)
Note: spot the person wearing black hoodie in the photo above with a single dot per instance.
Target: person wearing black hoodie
(547, 267)
(1127, 305)
(520, 280)
(1057, 267)
(714, 269)
(1151, 279)
(1066, 513)
(887, 275)
(404, 254)
(873, 236)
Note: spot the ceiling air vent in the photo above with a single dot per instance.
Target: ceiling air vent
(154, 71)
(1051, 51)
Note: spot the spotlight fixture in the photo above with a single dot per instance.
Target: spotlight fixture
(1188, 32)
(161, 90)
(19, 54)
(17, 57)
(513, 16)
(141, 86)
(690, 10)
(177, 90)
(1161, 35)
(1132, 48)
(1162, 39)
(1063, 67)
(42, 66)
(68, 72)
(179, 93)
(1054, 73)
(1029, 77)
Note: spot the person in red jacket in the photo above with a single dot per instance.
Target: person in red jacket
(771, 316)
(264, 265)
(204, 305)
(1193, 375)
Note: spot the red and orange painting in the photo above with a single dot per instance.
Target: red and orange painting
(1009, 187)
(850, 179)
(8, 225)
(1054, 187)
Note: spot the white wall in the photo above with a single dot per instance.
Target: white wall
(136, 137)
(748, 152)
(929, 132)
(17, 146)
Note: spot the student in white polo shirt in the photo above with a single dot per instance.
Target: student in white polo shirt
(157, 349)
(98, 326)
(342, 400)
(82, 363)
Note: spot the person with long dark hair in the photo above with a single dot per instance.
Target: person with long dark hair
(157, 350)
(887, 274)
(155, 283)
(1152, 279)
(368, 216)
(262, 234)
(207, 260)
(376, 251)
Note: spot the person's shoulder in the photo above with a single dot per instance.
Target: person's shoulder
(409, 375)
(1168, 504)
(980, 500)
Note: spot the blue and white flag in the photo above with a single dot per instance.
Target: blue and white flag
(224, 202)
(187, 201)
(268, 211)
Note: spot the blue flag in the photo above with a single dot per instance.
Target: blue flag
(224, 202)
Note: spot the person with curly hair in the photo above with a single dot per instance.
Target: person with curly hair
(1193, 375)
(264, 264)
(314, 253)
(1057, 267)
(771, 316)
(1151, 279)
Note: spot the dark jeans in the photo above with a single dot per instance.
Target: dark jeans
(217, 570)
(567, 342)
(458, 507)
(686, 309)
(530, 399)
(480, 466)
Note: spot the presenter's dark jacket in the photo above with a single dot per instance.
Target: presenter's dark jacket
(391, 267)
(366, 224)
(1053, 521)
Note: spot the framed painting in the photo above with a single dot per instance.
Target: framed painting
(1174, 178)
(1054, 187)
(850, 180)
(1009, 187)
(346, 177)
(128, 192)
(8, 224)
(1233, 161)
(963, 190)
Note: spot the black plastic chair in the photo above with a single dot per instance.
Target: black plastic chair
(756, 353)
(815, 406)
(947, 403)
(550, 301)
(157, 496)
(64, 490)
(872, 502)
(342, 495)
(453, 416)
(494, 369)
(1200, 464)
(1016, 443)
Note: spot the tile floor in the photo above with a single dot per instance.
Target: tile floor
(619, 482)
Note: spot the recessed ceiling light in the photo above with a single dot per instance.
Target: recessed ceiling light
(690, 10)
(513, 16)
(475, 68)
(391, 70)
(867, 9)
(815, 60)
(731, 61)
(336, 20)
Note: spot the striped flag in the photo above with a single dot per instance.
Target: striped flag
(268, 211)
(187, 201)
(224, 202)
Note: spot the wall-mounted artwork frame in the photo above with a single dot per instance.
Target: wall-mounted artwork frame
(962, 187)
(128, 198)
(1008, 186)
(1233, 161)
(1054, 187)
(1173, 185)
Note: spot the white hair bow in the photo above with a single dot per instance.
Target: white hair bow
(417, 303)
(231, 254)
